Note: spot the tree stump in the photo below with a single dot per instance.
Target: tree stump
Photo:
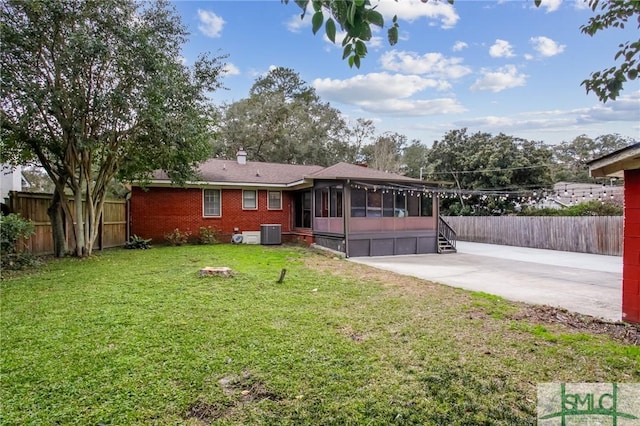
(218, 271)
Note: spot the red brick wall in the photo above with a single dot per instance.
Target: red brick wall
(631, 251)
(158, 211)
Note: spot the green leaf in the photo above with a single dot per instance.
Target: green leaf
(537, 3)
(351, 60)
(352, 13)
(364, 31)
(347, 51)
(361, 49)
(317, 5)
(392, 35)
(330, 28)
(316, 21)
(375, 18)
(632, 74)
(359, 3)
(356, 61)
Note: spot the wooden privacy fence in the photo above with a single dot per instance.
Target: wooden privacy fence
(33, 206)
(582, 234)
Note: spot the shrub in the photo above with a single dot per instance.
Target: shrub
(138, 243)
(590, 208)
(14, 228)
(208, 235)
(177, 237)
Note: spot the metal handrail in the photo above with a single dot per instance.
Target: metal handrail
(447, 231)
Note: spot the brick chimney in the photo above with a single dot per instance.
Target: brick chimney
(242, 156)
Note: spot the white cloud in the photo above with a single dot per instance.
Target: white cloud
(230, 69)
(384, 93)
(295, 24)
(496, 81)
(373, 87)
(411, 10)
(551, 5)
(546, 47)
(501, 49)
(406, 107)
(210, 23)
(430, 64)
(576, 121)
(459, 45)
(581, 5)
(625, 108)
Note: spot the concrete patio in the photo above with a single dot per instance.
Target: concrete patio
(585, 283)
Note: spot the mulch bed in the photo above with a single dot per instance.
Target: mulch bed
(628, 333)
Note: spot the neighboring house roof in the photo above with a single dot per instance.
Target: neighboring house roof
(231, 172)
(615, 163)
(569, 193)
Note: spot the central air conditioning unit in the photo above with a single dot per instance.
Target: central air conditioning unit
(270, 234)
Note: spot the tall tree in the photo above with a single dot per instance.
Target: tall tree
(284, 121)
(415, 159)
(355, 18)
(361, 133)
(570, 158)
(96, 89)
(386, 152)
(480, 161)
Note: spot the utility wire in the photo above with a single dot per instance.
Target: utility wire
(491, 170)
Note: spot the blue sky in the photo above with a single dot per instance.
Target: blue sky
(491, 66)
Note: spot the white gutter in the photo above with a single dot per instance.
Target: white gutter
(199, 184)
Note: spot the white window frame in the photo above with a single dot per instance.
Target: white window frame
(255, 191)
(269, 201)
(204, 198)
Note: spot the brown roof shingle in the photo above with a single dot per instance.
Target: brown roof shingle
(253, 172)
(229, 171)
(352, 171)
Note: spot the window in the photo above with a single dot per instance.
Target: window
(274, 200)
(427, 206)
(211, 202)
(336, 202)
(374, 204)
(303, 209)
(358, 203)
(250, 199)
(329, 202)
(401, 205)
(322, 202)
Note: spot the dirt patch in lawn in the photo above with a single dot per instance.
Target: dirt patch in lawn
(536, 314)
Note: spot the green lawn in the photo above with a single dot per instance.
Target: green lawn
(137, 337)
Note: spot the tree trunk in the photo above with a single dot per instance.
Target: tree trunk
(81, 248)
(56, 216)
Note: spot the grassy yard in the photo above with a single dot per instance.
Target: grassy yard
(137, 337)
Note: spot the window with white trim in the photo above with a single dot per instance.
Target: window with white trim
(274, 200)
(211, 203)
(250, 199)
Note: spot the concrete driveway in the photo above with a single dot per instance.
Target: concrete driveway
(584, 283)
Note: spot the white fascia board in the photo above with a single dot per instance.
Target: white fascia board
(200, 184)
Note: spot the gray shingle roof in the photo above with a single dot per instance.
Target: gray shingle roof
(352, 171)
(229, 171)
(253, 172)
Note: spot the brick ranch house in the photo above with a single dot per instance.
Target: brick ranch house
(356, 210)
(626, 163)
